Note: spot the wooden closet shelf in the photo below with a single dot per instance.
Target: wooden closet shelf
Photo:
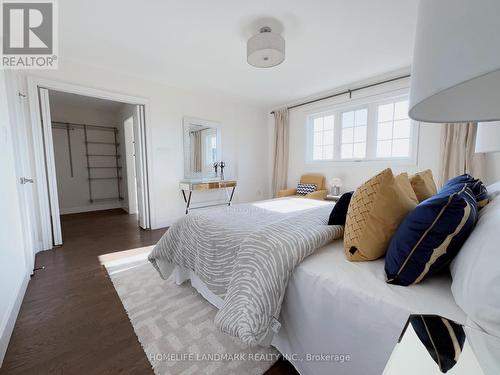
(105, 178)
(106, 199)
(90, 167)
(116, 156)
(103, 143)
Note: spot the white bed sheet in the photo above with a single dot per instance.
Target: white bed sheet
(333, 306)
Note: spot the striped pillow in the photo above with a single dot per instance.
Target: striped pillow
(474, 184)
(303, 189)
(431, 236)
(443, 338)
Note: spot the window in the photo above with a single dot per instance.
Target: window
(353, 141)
(210, 147)
(213, 149)
(393, 130)
(323, 137)
(369, 131)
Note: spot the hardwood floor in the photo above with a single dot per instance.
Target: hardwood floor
(71, 319)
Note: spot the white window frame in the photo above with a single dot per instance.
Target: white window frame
(372, 104)
(207, 148)
(338, 150)
(311, 132)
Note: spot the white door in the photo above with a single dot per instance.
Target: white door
(50, 166)
(24, 173)
(141, 168)
(128, 126)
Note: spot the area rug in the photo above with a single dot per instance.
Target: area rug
(174, 324)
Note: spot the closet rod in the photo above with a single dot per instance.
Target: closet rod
(348, 91)
(65, 125)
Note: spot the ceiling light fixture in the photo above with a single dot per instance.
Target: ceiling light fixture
(266, 49)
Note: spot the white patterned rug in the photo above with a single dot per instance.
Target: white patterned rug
(174, 323)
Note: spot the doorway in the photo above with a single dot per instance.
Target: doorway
(86, 137)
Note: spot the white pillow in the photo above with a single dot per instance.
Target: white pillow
(476, 271)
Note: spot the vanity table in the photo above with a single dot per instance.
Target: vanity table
(202, 153)
(188, 186)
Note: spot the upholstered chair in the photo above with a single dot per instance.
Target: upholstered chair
(317, 179)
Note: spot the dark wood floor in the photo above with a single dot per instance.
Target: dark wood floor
(71, 320)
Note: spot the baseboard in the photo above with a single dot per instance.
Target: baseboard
(165, 222)
(39, 247)
(100, 207)
(13, 311)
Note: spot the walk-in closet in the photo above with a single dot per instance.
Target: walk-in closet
(92, 157)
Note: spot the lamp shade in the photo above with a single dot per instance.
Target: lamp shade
(336, 182)
(488, 137)
(266, 49)
(456, 61)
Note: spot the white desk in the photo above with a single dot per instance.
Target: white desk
(190, 185)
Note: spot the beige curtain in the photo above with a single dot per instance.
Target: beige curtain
(196, 150)
(280, 145)
(457, 153)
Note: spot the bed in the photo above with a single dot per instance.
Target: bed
(245, 255)
(334, 316)
(333, 306)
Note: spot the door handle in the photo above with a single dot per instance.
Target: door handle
(25, 180)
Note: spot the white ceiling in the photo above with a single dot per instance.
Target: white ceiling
(200, 45)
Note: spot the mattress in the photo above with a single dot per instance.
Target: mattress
(340, 317)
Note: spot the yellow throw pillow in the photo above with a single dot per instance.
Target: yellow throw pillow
(404, 183)
(423, 185)
(374, 214)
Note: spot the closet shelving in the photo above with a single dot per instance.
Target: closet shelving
(92, 154)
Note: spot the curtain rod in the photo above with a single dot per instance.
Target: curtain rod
(348, 91)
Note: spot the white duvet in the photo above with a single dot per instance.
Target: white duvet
(333, 306)
(245, 255)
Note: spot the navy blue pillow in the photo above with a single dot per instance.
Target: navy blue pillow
(431, 235)
(474, 184)
(339, 211)
(443, 338)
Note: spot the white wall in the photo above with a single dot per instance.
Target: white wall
(354, 175)
(73, 191)
(13, 271)
(492, 168)
(244, 133)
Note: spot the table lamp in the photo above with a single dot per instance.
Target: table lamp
(456, 62)
(488, 137)
(335, 184)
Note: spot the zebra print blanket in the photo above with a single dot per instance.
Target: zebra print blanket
(245, 254)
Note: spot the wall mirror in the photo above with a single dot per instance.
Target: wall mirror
(202, 147)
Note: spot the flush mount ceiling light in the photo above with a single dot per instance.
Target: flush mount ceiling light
(266, 49)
